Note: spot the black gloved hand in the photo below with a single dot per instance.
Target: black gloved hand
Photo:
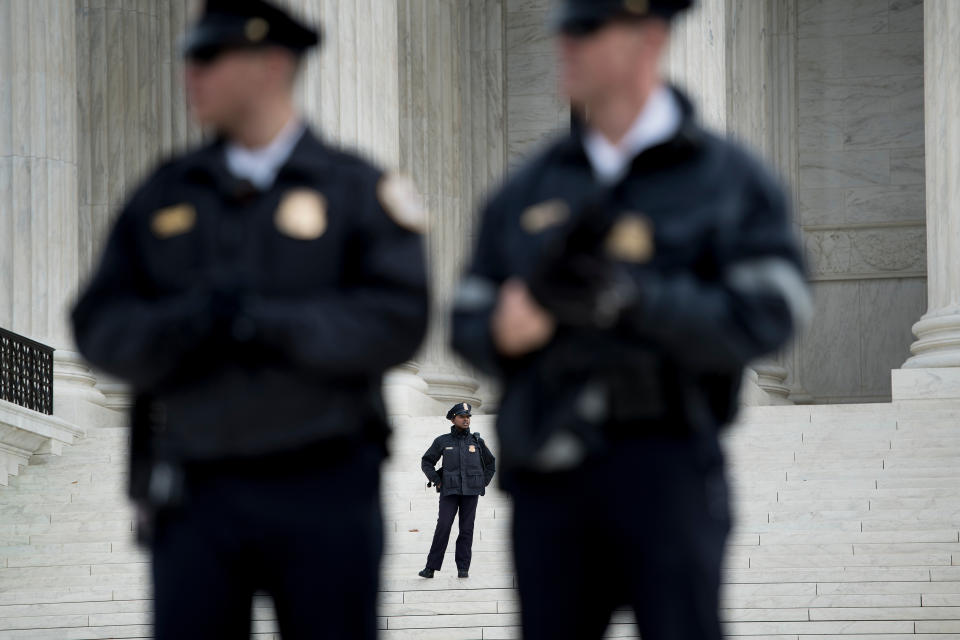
(229, 294)
(575, 280)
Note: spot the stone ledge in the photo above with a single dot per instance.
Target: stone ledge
(926, 384)
(24, 433)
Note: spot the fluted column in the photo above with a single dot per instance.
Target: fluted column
(349, 89)
(761, 113)
(749, 121)
(131, 111)
(38, 185)
(697, 59)
(484, 132)
(432, 152)
(934, 369)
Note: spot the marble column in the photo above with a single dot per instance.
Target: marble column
(483, 132)
(748, 112)
(433, 116)
(349, 88)
(933, 372)
(366, 90)
(762, 114)
(697, 59)
(453, 145)
(131, 112)
(782, 379)
(38, 186)
(717, 56)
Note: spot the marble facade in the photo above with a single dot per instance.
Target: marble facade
(454, 92)
(860, 187)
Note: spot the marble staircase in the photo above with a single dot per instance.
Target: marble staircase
(847, 526)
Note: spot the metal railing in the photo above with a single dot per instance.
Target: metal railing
(26, 372)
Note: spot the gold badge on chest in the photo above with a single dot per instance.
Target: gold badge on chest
(473, 449)
(173, 221)
(541, 217)
(302, 214)
(631, 239)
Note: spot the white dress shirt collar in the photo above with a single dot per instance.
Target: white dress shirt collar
(659, 120)
(261, 166)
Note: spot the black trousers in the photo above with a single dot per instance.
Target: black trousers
(449, 505)
(644, 527)
(310, 536)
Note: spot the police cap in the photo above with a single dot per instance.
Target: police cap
(239, 24)
(582, 17)
(459, 409)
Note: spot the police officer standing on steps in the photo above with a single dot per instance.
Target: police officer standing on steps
(622, 280)
(253, 292)
(467, 468)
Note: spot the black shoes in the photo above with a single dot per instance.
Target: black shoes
(428, 573)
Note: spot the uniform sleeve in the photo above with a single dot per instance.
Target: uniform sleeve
(124, 330)
(489, 463)
(757, 300)
(429, 462)
(377, 321)
(476, 296)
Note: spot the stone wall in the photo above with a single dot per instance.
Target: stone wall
(861, 190)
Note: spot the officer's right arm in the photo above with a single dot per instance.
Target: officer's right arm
(429, 462)
(121, 328)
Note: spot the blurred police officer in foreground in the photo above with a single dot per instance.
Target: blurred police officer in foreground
(622, 280)
(253, 292)
(468, 467)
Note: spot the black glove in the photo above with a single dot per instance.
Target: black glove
(229, 296)
(575, 280)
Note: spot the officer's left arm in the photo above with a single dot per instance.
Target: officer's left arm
(758, 299)
(375, 322)
(489, 463)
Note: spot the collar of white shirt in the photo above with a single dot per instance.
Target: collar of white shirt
(659, 120)
(261, 166)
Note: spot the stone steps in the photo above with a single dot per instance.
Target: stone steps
(848, 524)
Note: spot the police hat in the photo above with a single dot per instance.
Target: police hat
(580, 17)
(460, 409)
(228, 24)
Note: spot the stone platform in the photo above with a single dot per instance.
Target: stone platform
(848, 526)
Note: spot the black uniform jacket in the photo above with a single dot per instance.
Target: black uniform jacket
(468, 465)
(254, 323)
(701, 232)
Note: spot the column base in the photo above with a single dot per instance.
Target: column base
(448, 387)
(771, 377)
(405, 392)
(73, 382)
(938, 340)
(116, 395)
(751, 395)
(926, 384)
(76, 397)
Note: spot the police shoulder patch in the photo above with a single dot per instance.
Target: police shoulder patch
(631, 239)
(302, 214)
(544, 215)
(173, 221)
(399, 197)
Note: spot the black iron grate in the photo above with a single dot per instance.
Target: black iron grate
(26, 372)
